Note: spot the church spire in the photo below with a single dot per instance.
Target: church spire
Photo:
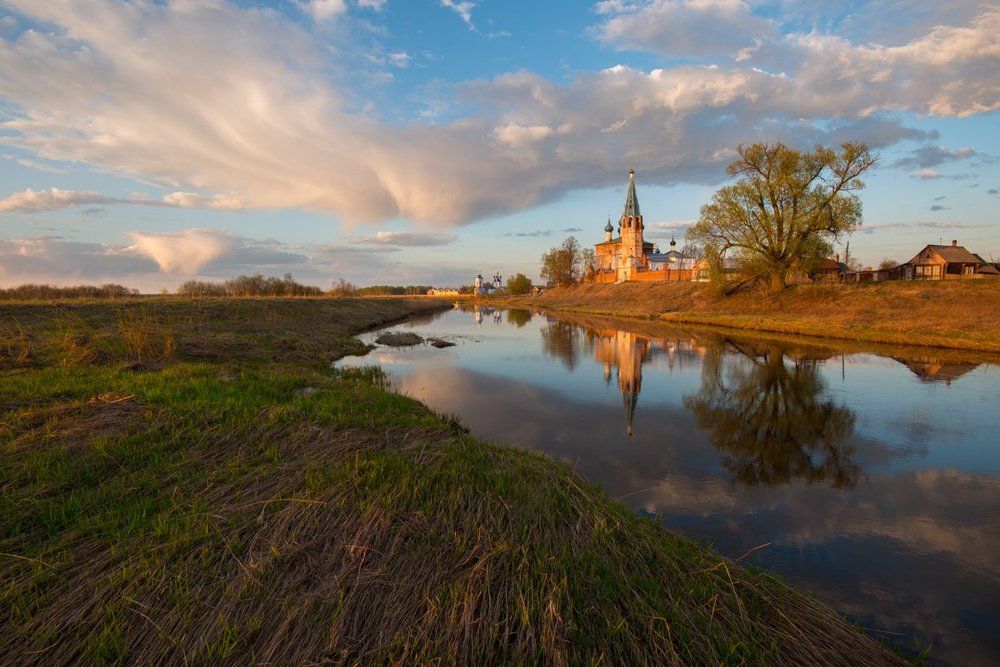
(630, 398)
(631, 200)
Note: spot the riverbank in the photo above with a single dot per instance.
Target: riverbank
(188, 481)
(948, 314)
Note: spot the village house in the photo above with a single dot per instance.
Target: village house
(829, 270)
(939, 262)
(701, 272)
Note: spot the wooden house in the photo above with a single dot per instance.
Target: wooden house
(829, 270)
(700, 271)
(939, 262)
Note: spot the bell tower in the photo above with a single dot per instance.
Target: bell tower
(632, 256)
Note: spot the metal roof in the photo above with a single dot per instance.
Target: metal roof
(631, 200)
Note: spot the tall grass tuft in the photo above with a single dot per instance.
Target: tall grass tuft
(145, 337)
(370, 375)
(17, 346)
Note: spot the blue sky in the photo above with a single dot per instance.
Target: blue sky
(413, 142)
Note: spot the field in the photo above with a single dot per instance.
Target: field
(950, 314)
(189, 481)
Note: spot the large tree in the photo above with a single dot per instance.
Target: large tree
(563, 264)
(786, 208)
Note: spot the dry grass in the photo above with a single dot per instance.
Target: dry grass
(148, 331)
(302, 543)
(18, 348)
(949, 314)
(145, 336)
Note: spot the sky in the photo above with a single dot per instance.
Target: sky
(417, 141)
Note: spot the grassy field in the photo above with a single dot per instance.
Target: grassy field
(189, 482)
(949, 314)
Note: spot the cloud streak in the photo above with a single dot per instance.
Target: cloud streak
(932, 156)
(407, 239)
(54, 199)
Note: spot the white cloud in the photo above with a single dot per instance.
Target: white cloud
(461, 7)
(399, 58)
(53, 199)
(33, 201)
(230, 202)
(515, 135)
(322, 10)
(154, 260)
(407, 239)
(190, 251)
(681, 27)
(55, 259)
(273, 131)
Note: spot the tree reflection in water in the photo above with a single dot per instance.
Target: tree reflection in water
(562, 341)
(771, 421)
(518, 317)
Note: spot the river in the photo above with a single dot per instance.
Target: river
(869, 477)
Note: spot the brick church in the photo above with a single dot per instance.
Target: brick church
(630, 257)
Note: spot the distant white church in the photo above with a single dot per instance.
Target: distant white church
(484, 286)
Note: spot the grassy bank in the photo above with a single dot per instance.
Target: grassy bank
(950, 314)
(187, 481)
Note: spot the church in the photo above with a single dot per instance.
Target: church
(629, 256)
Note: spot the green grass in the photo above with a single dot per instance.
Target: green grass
(234, 500)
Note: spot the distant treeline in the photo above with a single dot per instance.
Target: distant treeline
(393, 290)
(240, 286)
(46, 292)
(255, 285)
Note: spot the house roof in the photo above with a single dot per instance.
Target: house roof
(989, 269)
(953, 254)
(829, 264)
(631, 199)
(669, 256)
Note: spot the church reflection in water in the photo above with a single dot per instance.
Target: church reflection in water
(621, 353)
(763, 407)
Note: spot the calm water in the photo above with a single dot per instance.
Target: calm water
(871, 481)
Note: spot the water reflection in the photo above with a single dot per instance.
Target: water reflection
(519, 317)
(871, 473)
(562, 341)
(625, 352)
(771, 420)
(934, 369)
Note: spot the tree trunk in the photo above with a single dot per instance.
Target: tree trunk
(778, 280)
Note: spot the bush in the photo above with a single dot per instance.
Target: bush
(519, 284)
(49, 292)
(255, 285)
